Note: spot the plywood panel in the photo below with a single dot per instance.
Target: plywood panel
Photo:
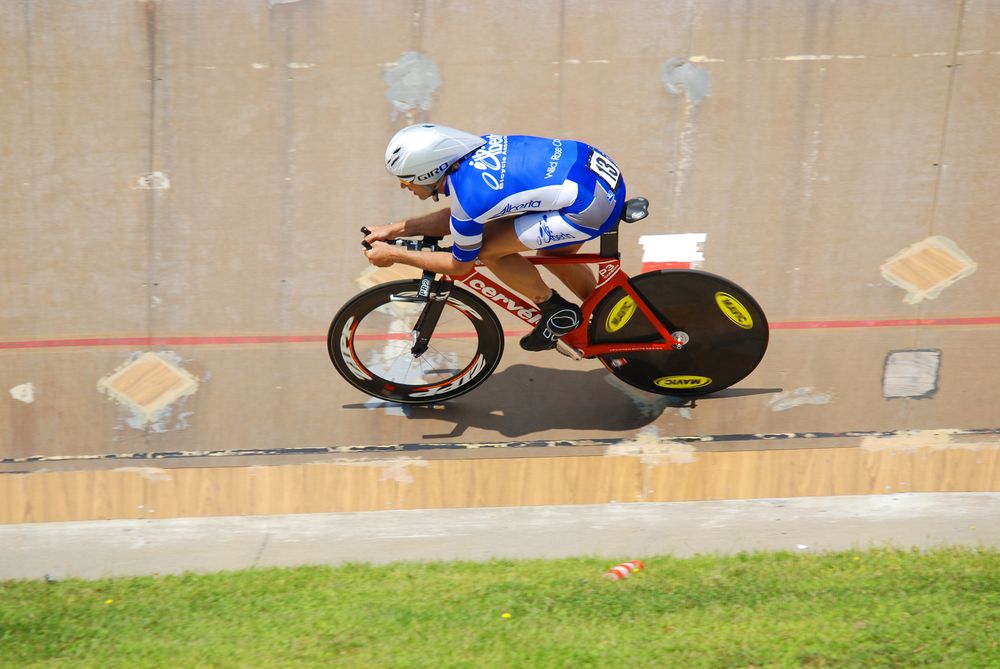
(406, 483)
(76, 139)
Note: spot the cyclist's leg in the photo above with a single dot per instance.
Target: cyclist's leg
(578, 278)
(552, 234)
(501, 252)
(595, 211)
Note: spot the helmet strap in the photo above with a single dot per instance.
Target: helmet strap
(443, 179)
(437, 184)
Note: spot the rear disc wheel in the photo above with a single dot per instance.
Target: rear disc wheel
(723, 330)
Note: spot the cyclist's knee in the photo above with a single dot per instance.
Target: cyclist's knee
(492, 253)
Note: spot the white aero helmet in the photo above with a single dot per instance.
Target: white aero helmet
(421, 154)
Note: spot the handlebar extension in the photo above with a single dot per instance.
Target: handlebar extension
(430, 243)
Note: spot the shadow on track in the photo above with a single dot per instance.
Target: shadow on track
(524, 399)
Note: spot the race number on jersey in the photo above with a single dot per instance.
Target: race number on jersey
(605, 168)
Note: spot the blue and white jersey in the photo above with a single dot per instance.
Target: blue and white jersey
(515, 174)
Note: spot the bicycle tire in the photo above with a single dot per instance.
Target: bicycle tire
(369, 342)
(726, 328)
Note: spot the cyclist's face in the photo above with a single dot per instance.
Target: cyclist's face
(423, 192)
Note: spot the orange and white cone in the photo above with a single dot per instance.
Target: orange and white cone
(620, 571)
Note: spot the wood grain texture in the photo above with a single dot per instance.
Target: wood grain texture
(412, 483)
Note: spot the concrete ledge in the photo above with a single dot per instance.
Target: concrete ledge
(138, 547)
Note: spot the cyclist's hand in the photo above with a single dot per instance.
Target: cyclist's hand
(381, 233)
(381, 254)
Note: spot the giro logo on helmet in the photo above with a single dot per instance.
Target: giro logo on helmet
(429, 176)
(422, 154)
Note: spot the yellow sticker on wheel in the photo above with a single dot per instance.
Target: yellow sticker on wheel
(733, 310)
(620, 314)
(682, 381)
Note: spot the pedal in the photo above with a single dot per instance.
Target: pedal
(569, 351)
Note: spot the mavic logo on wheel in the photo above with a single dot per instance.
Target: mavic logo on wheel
(620, 314)
(683, 381)
(733, 310)
(474, 369)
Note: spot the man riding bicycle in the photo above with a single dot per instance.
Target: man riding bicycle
(511, 194)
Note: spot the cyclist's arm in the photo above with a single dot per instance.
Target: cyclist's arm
(435, 224)
(439, 262)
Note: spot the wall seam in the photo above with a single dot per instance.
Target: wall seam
(949, 96)
(33, 174)
(151, 194)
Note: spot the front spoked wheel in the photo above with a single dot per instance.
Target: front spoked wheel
(723, 329)
(371, 338)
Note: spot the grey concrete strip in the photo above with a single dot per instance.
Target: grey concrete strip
(135, 547)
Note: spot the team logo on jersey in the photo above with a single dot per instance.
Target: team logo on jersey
(492, 160)
(554, 158)
(547, 235)
(517, 208)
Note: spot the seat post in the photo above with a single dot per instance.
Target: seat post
(633, 210)
(609, 243)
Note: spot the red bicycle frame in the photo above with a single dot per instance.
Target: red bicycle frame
(609, 277)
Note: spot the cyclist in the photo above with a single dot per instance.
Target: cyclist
(511, 194)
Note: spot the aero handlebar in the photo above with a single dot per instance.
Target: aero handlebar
(425, 243)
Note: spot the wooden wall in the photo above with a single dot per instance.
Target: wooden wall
(411, 483)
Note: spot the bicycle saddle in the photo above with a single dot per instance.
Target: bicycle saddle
(635, 209)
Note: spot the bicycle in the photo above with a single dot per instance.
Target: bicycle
(677, 332)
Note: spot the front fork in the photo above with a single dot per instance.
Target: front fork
(433, 292)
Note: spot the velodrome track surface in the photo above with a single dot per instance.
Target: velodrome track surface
(183, 185)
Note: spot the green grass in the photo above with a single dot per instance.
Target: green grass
(869, 609)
